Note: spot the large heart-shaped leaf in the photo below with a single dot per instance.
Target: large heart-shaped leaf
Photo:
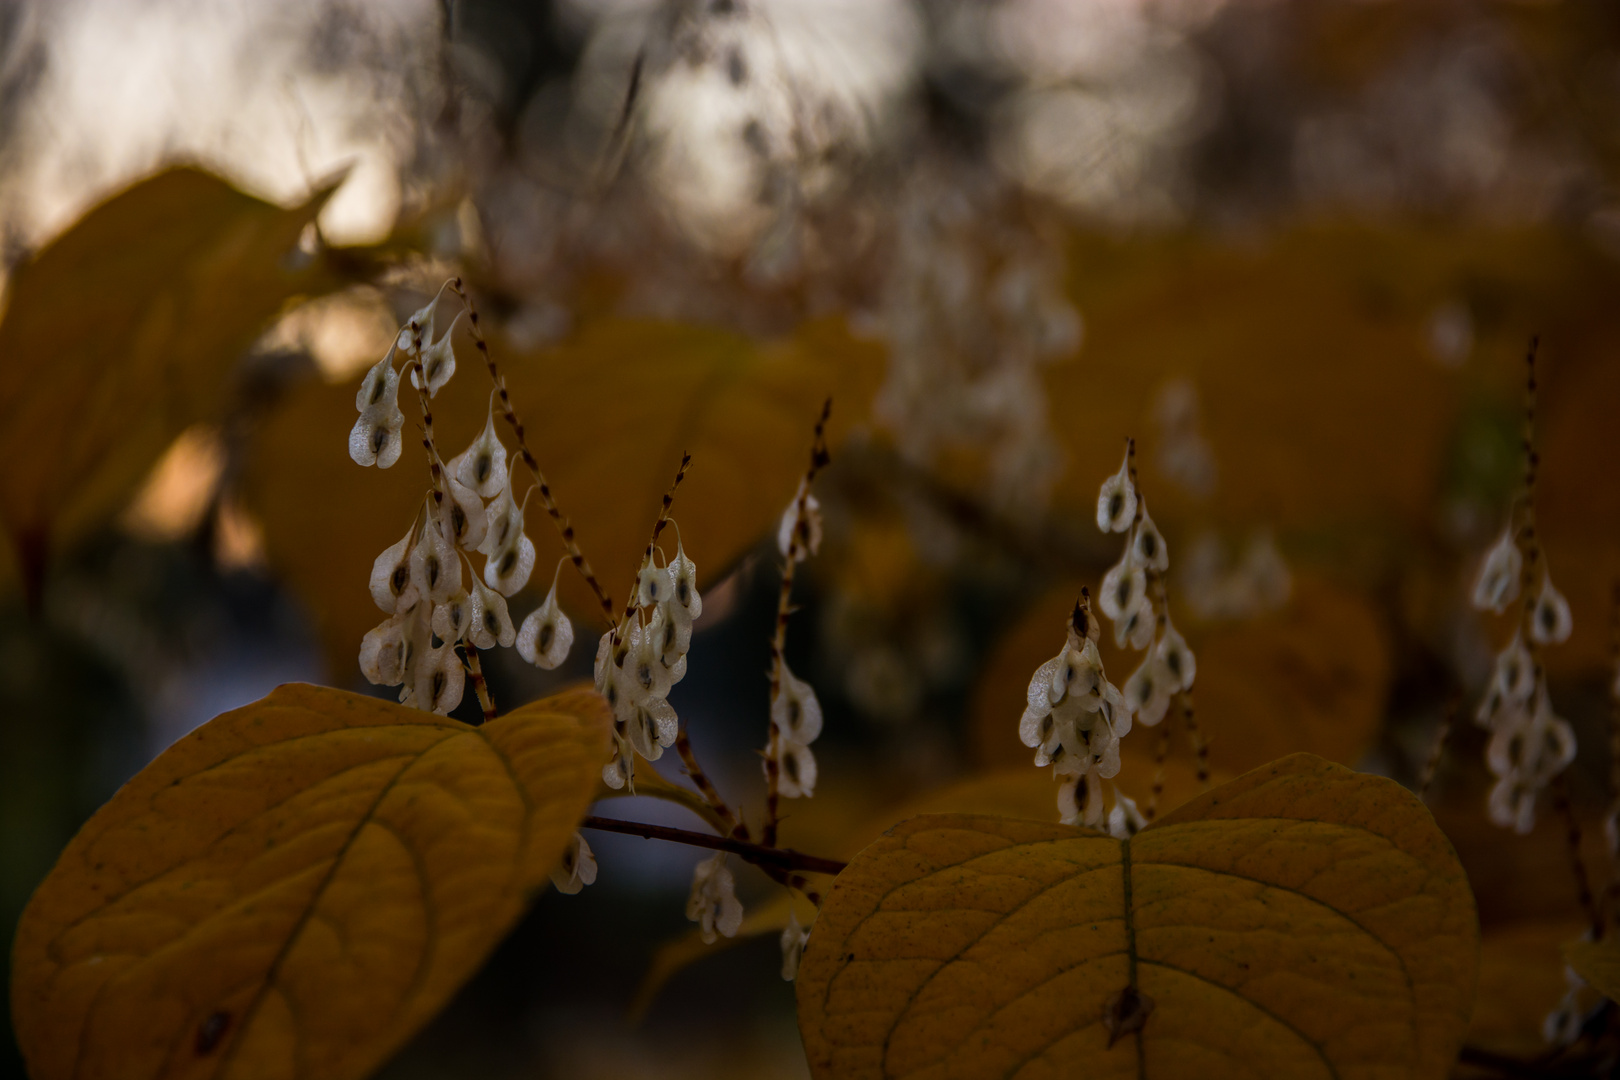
(122, 332)
(1302, 920)
(296, 886)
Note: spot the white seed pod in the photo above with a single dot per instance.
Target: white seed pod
(391, 573)
(438, 361)
(406, 342)
(1116, 501)
(1498, 581)
(653, 726)
(1137, 626)
(651, 677)
(1123, 587)
(490, 623)
(674, 634)
(620, 773)
(654, 585)
(687, 605)
(713, 901)
(1076, 676)
(1512, 805)
(385, 653)
(376, 436)
(1147, 691)
(796, 771)
(794, 938)
(1550, 622)
(546, 635)
(482, 466)
(1148, 549)
(1513, 676)
(807, 533)
(1125, 820)
(439, 680)
(508, 571)
(795, 711)
(1177, 659)
(452, 618)
(1035, 726)
(577, 868)
(465, 515)
(435, 566)
(504, 518)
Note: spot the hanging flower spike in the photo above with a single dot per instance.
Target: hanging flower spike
(490, 622)
(1498, 581)
(1550, 622)
(794, 938)
(1148, 549)
(376, 437)
(653, 726)
(713, 901)
(1116, 502)
(391, 572)
(435, 566)
(453, 618)
(1125, 820)
(796, 712)
(577, 869)
(438, 360)
(467, 519)
(482, 466)
(796, 770)
(546, 635)
(1148, 690)
(1178, 660)
(809, 530)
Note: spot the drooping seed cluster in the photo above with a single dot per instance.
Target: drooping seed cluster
(1074, 716)
(643, 657)
(1529, 744)
(795, 711)
(470, 508)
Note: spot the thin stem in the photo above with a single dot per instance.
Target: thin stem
(1161, 751)
(475, 671)
(767, 858)
(1572, 834)
(565, 528)
(1200, 747)
(435, 469)
(1612, 830)
(798, 540)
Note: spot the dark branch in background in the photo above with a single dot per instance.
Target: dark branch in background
(768, 858)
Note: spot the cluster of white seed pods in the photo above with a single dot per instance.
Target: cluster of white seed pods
(795, 710)
(639, 661)
(1529, 744)
(469, 509)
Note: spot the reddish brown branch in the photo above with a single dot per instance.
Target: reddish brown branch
(767, 858)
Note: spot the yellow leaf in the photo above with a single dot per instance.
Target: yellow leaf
(1311, 677)
(122, 332)
(1598, 962)
(296, 886)
(608, 414)
(1302, 920)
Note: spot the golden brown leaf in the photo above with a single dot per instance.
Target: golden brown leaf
(1302, 920)
(122, 332)
(608, 414)
(296, 886)
(1311, 677)
(1598, 962)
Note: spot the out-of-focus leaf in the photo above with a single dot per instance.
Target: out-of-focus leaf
(1521, 980)
(296, 886)
(1598, 962)
(1301, 920)
(1322, 396)
(1310, 677)
(608, 415)
(122, 332)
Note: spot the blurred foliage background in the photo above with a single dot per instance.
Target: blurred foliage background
(1296, 248)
